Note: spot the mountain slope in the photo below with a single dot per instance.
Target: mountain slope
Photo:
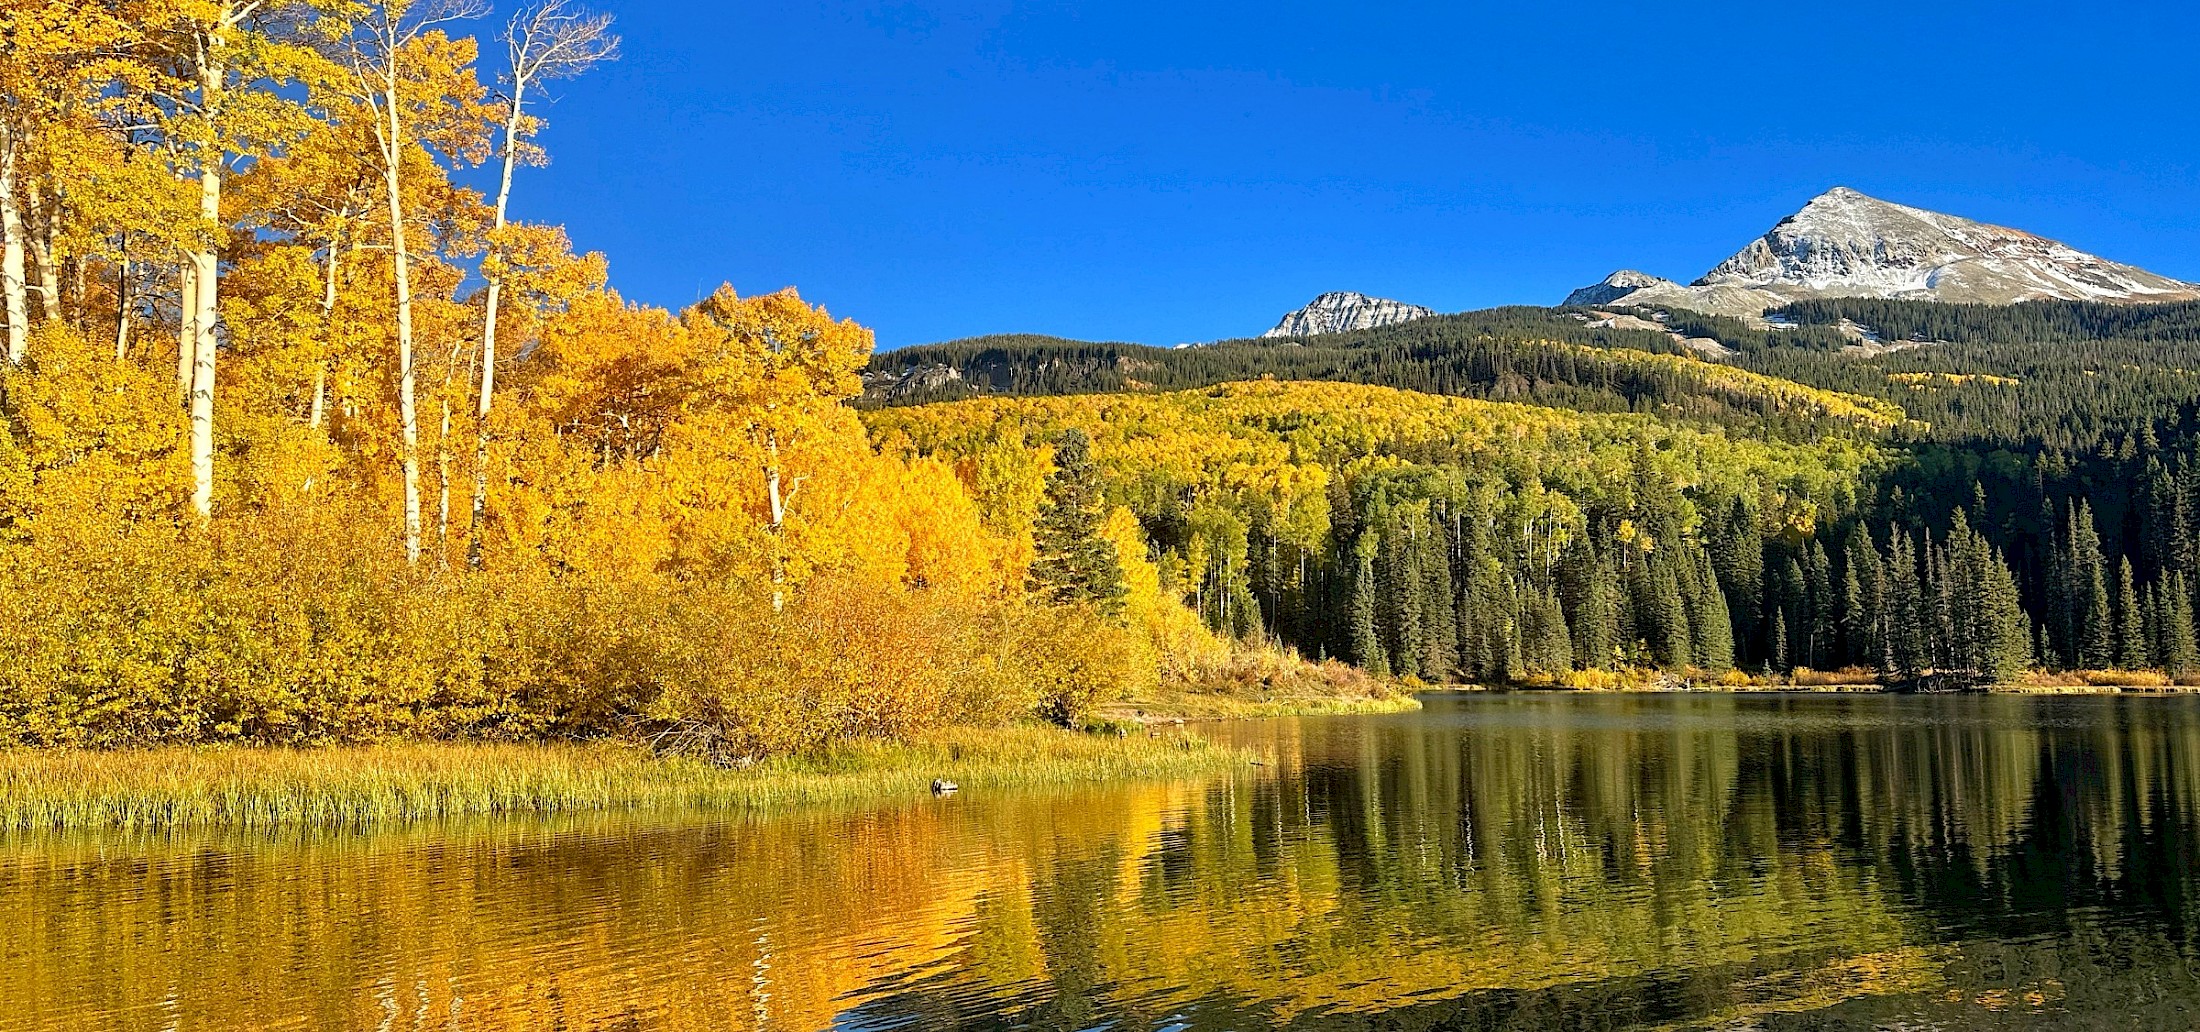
(1845, 244)
(1344, 311)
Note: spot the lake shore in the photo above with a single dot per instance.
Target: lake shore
(353, 786)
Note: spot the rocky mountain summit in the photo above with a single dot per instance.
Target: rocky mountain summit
(1616, 286)
(1343, 311)
(1845, 244)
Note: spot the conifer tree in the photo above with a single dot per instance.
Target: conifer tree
(2133, 652)
(1940, 601)
(1439, 623)
(1403, 588)
(1907, 654)
(1671, 646)
(1551, 644)
(2091, 622)
(1367, 644)
(1818, 590)
(2004, 637)
(1709, 621)
(2177, 647)
(1076, 562)
(1595, 610)
(1989, 633)
(1738, 554)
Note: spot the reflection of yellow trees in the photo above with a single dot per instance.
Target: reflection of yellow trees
(1752, 858)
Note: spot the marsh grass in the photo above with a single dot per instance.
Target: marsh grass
(354, 786)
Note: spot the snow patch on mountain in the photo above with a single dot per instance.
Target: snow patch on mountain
(1845, 244)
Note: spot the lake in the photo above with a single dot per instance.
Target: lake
(1494, 862)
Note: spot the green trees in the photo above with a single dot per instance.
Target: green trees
(1991, 636)
(2173, 626)
(1075, 563)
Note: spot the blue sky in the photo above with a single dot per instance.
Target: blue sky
(1190, 171)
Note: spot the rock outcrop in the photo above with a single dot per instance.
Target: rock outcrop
(1344, 311)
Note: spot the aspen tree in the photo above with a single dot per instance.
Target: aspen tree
(551, 40)
(394, 46)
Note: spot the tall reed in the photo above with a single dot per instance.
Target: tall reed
(336, 787)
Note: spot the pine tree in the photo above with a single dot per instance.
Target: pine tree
(1818, 590)
(1738, 554)
(1907, 654)
(2089, 603)
(1550, 644)
(1671, 645)
(1439, 624)
(1596, 612)
(2168, 524)
(1075, 563)
(1777, 664)
(1863, 587)
(1709, 621)
(2178, 648)
(1940, 602)
(1367, 644)
(1404, 587)
(2133, 652)
(2003, 633)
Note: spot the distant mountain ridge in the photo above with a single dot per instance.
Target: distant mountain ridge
(1343, 311)
(1845, 244)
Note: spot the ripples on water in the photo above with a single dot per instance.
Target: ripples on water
(1515, 862)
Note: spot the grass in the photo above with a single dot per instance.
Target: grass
(1262, 682)
(355, 786)
(1162, 707)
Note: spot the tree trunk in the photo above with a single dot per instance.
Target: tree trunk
(443, 487)
(187, 333)
(122, 301)
(778, 526)
(319, 407)
(408, 414)
(205, 282)
(44, 214)
(12, 283)
(489, 331)
(204, 296)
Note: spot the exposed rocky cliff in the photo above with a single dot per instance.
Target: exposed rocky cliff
(1343, 311)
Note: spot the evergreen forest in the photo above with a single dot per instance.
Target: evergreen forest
(1936, 495)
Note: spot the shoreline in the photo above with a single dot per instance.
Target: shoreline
(349, 787)
(1159, 713)
(1817, 689)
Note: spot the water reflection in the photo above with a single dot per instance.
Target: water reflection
(1505, 862)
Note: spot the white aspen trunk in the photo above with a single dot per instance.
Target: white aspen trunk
(12, 282)
(187, 333)
(205, 282)
(43, 215)
(480, 509)
(123, 302)
(778, 527)
(443, 486)
(408, 416)
(206, 285)
(319, 406)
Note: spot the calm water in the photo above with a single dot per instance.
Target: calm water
(1539, 862)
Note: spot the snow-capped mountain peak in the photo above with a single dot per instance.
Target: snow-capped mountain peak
(1846, 244)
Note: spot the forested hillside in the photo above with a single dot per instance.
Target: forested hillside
(2034, 506)
(1524, 354)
